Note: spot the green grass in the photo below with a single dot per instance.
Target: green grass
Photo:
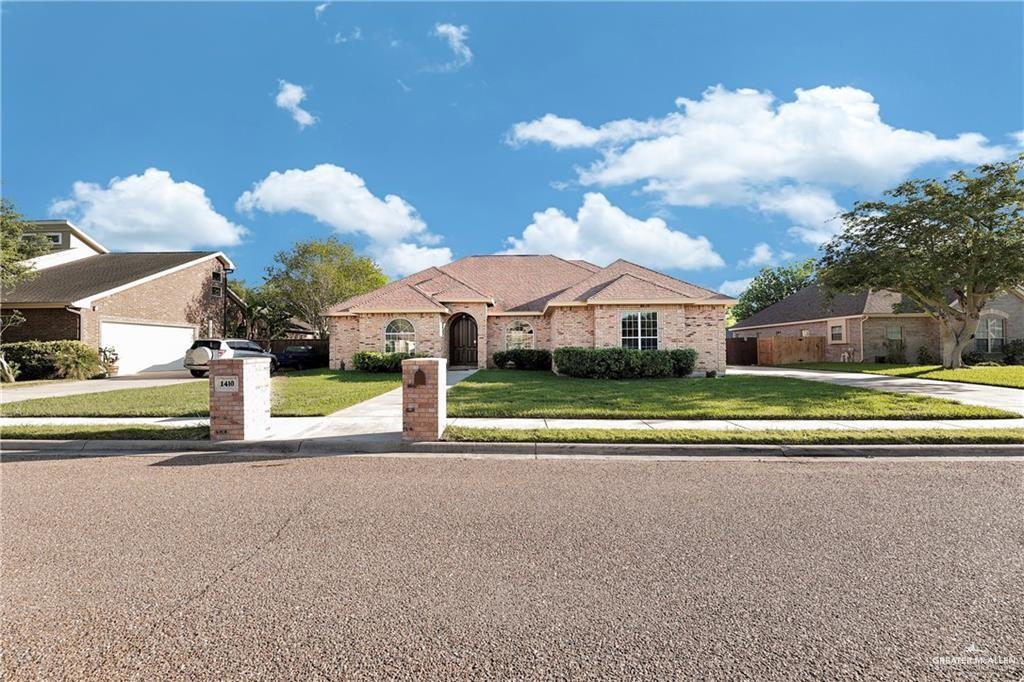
(1011, 376)
(105, 432)
(513, 393)
(708, 437)
(311, 392)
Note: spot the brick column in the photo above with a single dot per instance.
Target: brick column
(424, 401)
(239, 398)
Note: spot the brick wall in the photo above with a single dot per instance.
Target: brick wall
(705, 332)
(424, 403)
(182, 298)
(365, 332)
(572, 326)
(244, 413)
(917, 332)
(43, 324)
(497, 327)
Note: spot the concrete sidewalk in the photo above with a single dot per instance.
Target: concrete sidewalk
(1009, 399)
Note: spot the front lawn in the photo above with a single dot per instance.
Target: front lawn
(313, 392)
(710, 437)
(105, 432)
(1011, 376)
(515, 393)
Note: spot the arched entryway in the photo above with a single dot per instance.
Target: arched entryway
(462, 341)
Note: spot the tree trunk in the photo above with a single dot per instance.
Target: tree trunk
(962, 338)
(6, 375)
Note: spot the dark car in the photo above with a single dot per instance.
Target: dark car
(300, 357)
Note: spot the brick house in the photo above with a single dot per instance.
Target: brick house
(469, 309)
(860, 327)
(149, 306)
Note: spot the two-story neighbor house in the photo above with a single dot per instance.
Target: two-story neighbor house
(861, 327)
(469, 309)
(148, 306)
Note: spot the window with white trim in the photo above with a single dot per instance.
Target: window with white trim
(894, 332)
(837, 331)
(399, 336)
(991, 335)
(518, 335)
(640, 330)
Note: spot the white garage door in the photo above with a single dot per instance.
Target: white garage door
(146, 347)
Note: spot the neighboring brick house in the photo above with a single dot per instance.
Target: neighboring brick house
(467, 310)
(861, 327)
(148, 306)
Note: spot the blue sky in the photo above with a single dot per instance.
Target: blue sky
(706, 140)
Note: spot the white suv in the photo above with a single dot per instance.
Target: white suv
(197, 358)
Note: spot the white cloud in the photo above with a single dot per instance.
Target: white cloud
(745, 148)
(456, 37)
(405, 258)
(339, 198)
(148, 212)
(1018, 137)
(761, 255)
(289, 97)
(735, 287)
(401, 84)
(319, 10)
(602, 232)
(353, 35)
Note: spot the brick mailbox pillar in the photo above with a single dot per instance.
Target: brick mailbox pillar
(424, 404)
(239, 398)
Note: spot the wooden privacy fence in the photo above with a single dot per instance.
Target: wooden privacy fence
(741, 351)
(788, 350)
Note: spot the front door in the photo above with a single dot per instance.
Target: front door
(462, 342)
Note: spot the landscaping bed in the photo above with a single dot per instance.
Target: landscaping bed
(711, 437)
(105, 432)
(313, 392)
(511, 393)
(1009, 376)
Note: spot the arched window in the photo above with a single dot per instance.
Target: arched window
(518, 335)
(399, 337)
(991, 335)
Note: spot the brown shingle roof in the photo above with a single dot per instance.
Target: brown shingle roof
(524, 284)
(810, 303)
(62, 284)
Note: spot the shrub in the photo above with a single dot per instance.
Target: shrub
(614, 363)
(523, 358)
(896, 353)
(926, 357)
(972, 357)
(683, 361)
(53, 359)
(1013, 352)
(368, 361)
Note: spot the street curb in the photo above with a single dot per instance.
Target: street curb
(89, 448)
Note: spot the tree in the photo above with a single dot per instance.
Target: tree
(771, 285)
(317, 274)
(16, 247)
(950, 246)
(265, 316)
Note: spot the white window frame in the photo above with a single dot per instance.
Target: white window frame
(842, 327)
(530, 334)
(986, 324)
(639, 330)
(894, 326)
(412, 349)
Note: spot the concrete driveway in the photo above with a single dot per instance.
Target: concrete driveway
(1009, 399)
(198, 567)
(10, 393)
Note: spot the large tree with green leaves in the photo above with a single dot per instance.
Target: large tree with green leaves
(317, 274)
(949, 245)
(771, 285)
(265, 315)
(17, 246)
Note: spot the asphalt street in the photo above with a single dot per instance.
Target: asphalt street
(229, 567)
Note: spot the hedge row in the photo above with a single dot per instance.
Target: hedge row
(624, 363)
(367, 361)
(52, 360)
(523, 358)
